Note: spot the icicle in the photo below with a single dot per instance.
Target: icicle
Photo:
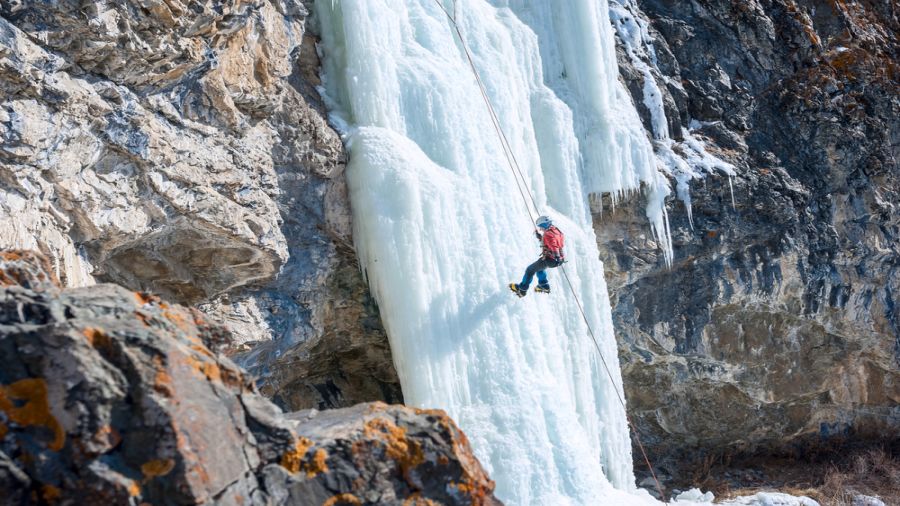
(731, 187)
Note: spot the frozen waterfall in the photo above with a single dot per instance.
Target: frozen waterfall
(441, 229)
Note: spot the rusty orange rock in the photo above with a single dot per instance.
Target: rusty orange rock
(50, 493)
(97, 338)
(28, 269)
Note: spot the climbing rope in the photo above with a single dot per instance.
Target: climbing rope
(517, 175)
(504, 142)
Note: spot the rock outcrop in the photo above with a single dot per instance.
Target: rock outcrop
(776, 328)
(109, 396)
(180, 148)
(107, 157)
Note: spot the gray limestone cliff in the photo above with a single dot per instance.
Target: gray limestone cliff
(776, 328)
(181, 148)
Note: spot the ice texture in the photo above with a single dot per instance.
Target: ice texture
(441, 229)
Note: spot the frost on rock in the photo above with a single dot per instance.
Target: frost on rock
(684, 160)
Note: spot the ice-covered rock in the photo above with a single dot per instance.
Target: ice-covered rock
(695, 495)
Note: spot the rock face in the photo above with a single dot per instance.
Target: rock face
(379, 454)
(109, 396)
(104, 146)
(776, 328)
(180, 148)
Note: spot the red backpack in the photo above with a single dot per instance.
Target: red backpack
(552, 245)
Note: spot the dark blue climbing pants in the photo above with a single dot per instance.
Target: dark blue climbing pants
(538, 268)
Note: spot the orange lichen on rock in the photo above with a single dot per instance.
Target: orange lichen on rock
(208, 369)
(162, 380)
(25, 403)
(24, 268)
(232, 377)
(416, 499)
(475, 482)
(440, 413)
(203, 350)
(477, 491)
(200, 364)
(134, 489)
(317, 464)
(162, 383)
(157, 467)
(292, 460)
(176, 317)
(97, 338)
(342, 499)
(408, 453)
(295, 461)
(145, 298)
(108, 435)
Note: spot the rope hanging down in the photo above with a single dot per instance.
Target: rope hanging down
(504, 142)
(520, 182)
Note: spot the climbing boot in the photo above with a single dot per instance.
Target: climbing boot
(542, 288)
(518, 291)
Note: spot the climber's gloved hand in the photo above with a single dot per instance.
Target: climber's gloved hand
(538, 235)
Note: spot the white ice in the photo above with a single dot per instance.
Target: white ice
(440, 227)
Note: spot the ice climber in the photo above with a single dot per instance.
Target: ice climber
(551, 256)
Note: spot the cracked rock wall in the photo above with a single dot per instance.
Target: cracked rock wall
(776, 329)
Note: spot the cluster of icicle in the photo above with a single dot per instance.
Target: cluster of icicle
(686, 160)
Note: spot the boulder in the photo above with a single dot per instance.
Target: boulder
(113, 396)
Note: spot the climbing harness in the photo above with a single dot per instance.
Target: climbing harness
(520, 183)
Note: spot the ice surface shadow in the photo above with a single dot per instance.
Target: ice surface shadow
(455, 326)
